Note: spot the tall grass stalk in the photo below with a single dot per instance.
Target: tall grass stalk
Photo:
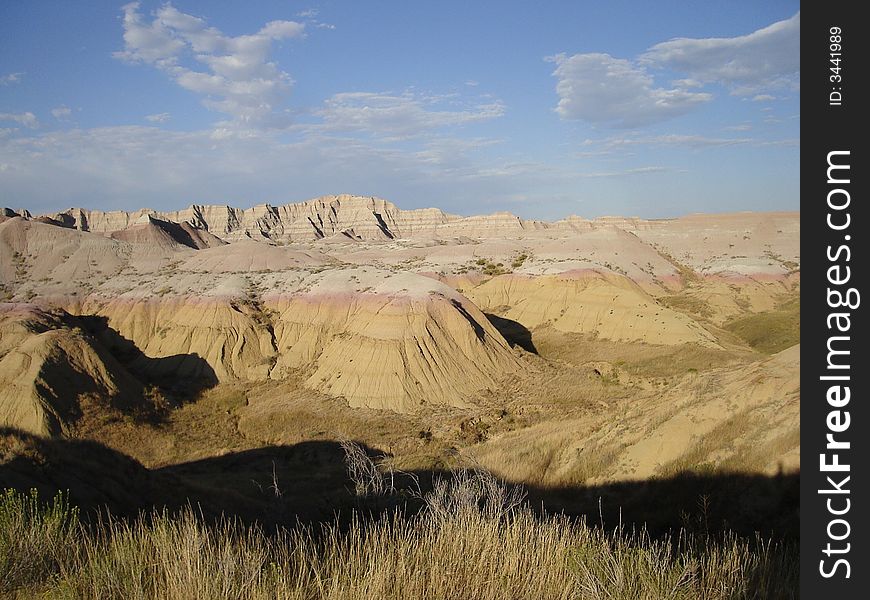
(474, 539)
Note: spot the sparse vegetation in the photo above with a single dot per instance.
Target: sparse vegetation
(488, 267)
(518, 260)
(770, 331)
(687, 274)
(474, 539)
(687, 304)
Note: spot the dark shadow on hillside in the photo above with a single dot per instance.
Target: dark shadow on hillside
(478, 329)
(178, 233)
(307, 482)
(382, 225)
(515, 333)
(181, 377)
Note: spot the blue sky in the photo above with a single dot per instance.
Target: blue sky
(653, 109)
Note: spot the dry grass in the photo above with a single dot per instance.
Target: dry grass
(722, 437)
(682, 302)
(636, 359)
(473, 540)
(755, 455)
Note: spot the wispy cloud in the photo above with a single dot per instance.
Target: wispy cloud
(625, 172)
(400, 116)
(763, 98)
(11, 78)
(196, 166)
(671, 139)
(310, 17)
(61, 113)
(158, 118)
(238, 79)
(27, 119)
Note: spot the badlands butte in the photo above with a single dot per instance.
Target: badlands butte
(566, 353)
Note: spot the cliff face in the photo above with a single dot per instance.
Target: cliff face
(368, 218)
(364, 218)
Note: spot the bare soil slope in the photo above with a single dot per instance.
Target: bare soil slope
(575, 351)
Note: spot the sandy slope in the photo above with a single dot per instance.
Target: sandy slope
(416, 311)
(602, 304)
(743, 418)
(49, 366)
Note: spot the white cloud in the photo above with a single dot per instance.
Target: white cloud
(768, 58)
(624, 173)
(616, 92)
(158, 118)
(28, 119)
(10, 78)
(310, 17)
(238, 79)
(687, 83)
(167, 169)
(61, 113)
(671, 139)
(399, 116)
(763, 98)
(149, 43)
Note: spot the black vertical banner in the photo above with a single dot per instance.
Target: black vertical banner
(835, 421)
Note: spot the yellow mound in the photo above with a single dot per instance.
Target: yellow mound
(379, 339)
(607, 305)
(406, 341)
(47, 368)
(742, 418)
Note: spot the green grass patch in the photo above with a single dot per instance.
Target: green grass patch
(770, 331)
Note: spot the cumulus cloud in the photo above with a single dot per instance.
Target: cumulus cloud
(399, 116)
(10, 78)
(28, 119)
(763, 98)
(764, 59)
(158, 118)
(238, 79)
(61, 113)
(616, 92)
